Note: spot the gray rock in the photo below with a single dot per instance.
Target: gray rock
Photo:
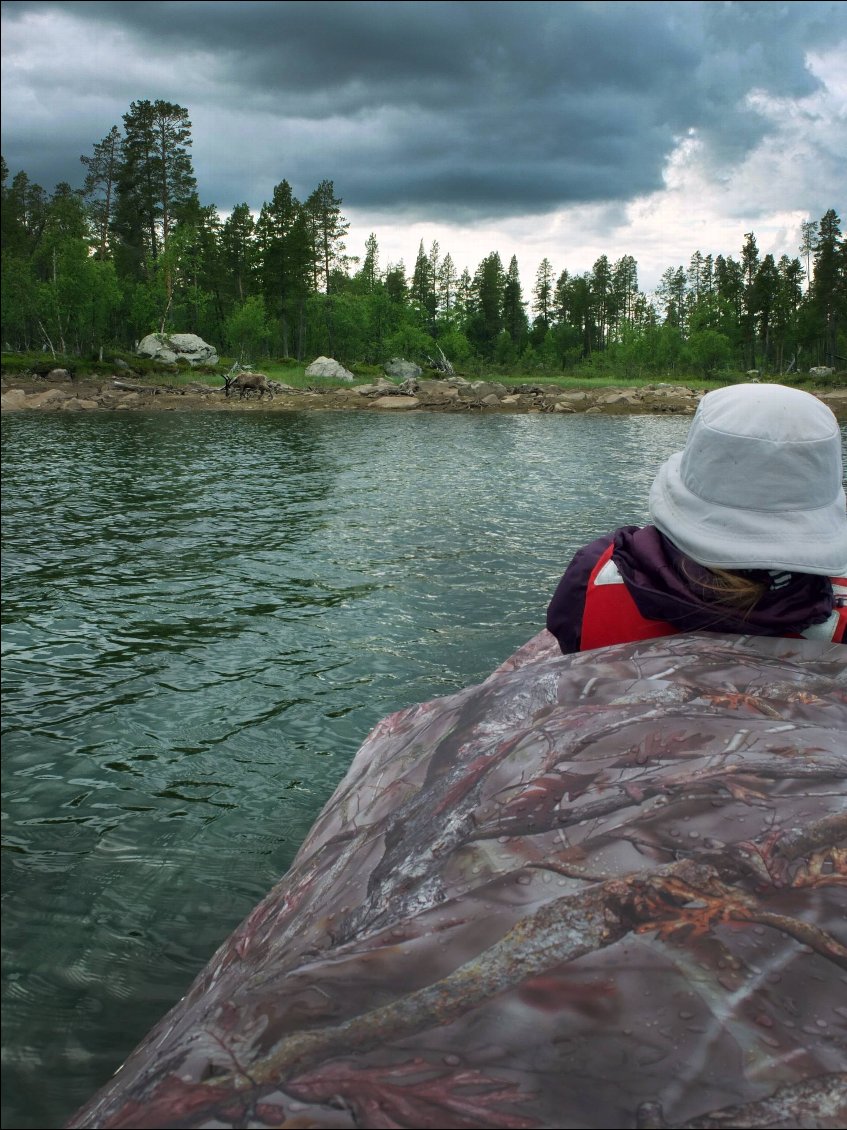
(437, 392)
(13, 400)
(478, 390)
(328, 368)
(169, 348)
(619, 398)
(821, 371)
(396, 402)
(58, 375)
(78, 404)
(381, 387)
(402, 369)
(52, 398)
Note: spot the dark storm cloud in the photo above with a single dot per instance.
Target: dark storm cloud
(447, 110)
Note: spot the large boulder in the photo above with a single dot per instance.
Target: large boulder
(403, 370)
(13, 400)
(821, 371)
(170, 348)
(477, 391)
(329, 369)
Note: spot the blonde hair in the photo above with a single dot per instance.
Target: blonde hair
(734, 591)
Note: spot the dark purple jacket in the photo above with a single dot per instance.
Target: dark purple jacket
(663, 582)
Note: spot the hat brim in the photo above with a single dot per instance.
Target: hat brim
(799, 541)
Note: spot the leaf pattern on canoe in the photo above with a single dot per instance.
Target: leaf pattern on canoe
(601, 890)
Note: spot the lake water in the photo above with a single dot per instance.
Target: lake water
(203, 616)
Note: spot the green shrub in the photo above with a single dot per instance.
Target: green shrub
(360, 369)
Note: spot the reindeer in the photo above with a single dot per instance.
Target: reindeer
(246, 382)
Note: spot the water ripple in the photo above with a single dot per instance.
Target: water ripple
(202, 618)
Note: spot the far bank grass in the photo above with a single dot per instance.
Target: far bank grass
(291, 372)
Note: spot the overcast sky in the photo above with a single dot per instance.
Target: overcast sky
(564, 130)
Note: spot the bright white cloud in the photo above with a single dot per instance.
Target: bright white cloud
(795, 174)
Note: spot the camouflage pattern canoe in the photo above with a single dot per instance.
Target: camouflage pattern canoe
(602, 890)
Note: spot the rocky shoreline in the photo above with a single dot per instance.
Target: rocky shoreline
(453, 394)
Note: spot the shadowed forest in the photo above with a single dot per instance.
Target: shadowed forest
(131, 250)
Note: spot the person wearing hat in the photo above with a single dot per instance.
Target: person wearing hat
(748, 533)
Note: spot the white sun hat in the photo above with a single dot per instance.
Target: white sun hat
(759, 484)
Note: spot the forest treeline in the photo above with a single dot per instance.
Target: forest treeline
(132, 250)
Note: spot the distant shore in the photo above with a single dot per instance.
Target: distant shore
(34, 394)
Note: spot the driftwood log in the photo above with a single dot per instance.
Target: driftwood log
(441, 364)
(128, 386)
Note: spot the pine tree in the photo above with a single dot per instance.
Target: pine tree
(155, 178)
(369, 273)
(446, 285)
(100, 188)
(395, 283)
(808, 239)
(624, 290)
(749, 298)
(23, 215)
(671, 292)
(828, 295)
(786, 310)
(766, 287)
(422, 288)
(561, 298)
(327, 228)
(602, 307)
(195, 270)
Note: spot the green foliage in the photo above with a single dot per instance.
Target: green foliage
(410, 342)
(134, 251)
(708, 351)
(247, 330)
(456, 346)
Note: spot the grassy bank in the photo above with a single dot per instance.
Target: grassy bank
(291, 372)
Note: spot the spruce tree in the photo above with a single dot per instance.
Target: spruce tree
(542, 294)
(286, 264)
(238, 251)
(514, 307)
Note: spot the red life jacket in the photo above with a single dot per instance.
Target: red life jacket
(611, 615)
